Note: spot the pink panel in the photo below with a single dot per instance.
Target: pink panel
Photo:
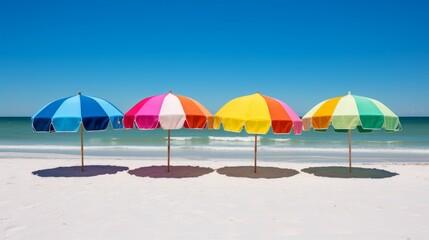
(297, 122)
(148, 115)
(129, 116)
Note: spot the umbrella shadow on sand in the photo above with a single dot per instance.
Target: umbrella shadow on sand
(343, 172)
(262, 172)
(76, 171)
(175, 171)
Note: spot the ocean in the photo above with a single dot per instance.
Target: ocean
(409, 145)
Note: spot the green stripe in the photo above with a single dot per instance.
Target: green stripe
(391, 121)
(346, 114)
(370, 116)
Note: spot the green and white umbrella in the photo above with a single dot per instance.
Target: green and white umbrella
(349, 112)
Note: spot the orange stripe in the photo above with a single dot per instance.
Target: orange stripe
(195, 115)
(322, 117)
(280, 120)
(209, 116)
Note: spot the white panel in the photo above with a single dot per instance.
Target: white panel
(172, 115)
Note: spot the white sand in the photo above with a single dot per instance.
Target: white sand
(212, 206)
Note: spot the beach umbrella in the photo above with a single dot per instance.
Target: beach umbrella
(257, 113)
(75, 113)
(349, 112)
(168, 111)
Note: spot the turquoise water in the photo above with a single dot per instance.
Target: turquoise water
(410, 144)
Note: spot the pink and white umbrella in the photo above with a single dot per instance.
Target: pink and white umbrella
(168, 111)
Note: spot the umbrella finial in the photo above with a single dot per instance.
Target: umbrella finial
(350, 93)
(169, 91)
(79, 93)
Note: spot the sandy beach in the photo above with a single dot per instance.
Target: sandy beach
(302, 88)
(200, 203)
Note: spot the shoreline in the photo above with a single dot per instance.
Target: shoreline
(239, 156)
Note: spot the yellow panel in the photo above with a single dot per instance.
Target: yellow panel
(250, 111)
(322, 117)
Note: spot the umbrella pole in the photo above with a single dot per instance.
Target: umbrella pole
(168, 161)
(81, 144)
(256, 147)
(350, 150)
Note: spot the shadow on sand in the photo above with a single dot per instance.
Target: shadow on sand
(343, 172)
(261, 172)
(175, 172)
(76, 171)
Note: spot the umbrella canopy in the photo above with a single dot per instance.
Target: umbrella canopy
(77, 112)
(349, 112)
(168, 111)
(256, 113)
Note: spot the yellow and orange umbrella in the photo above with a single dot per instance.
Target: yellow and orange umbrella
(257, 113)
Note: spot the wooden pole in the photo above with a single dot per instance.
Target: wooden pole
(256, 147)
(81, 144)
(350, 150)
(168, 167)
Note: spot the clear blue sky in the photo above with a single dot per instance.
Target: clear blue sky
(301, 52)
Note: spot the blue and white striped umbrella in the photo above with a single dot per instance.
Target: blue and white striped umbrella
(67, 114)
(77, 112)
